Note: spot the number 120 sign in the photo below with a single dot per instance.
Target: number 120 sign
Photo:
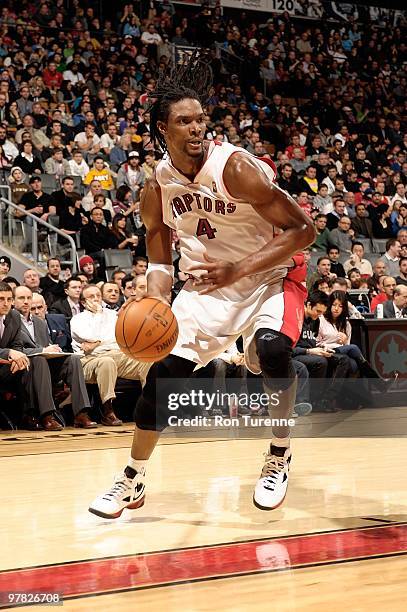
(279, 6)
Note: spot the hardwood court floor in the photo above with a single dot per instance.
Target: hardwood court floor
(340, 539)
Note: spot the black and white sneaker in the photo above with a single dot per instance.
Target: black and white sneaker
(271, 488)
(125, 493)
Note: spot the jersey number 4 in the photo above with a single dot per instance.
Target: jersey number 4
(204, 228)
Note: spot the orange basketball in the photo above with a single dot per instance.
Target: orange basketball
(147, 330)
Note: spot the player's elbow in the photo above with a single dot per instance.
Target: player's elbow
(307, 234)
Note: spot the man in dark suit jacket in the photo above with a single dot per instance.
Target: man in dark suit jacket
(58, 329)
(69, 305)
(35, 337)
(15, 374)
(397, 307)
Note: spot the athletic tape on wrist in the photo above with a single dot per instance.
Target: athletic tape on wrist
(153, 267)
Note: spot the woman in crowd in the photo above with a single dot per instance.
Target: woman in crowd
(122, 239)
(381, 224)
(27, 161)
(335, 334)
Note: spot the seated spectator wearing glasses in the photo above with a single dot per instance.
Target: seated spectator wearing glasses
(356, 260)
(35, 338)
(70, 305)
(335, 333)
(93, 332)
(397, 307)
(342, 236)
(58, 328)
(321, 364)
(387, 285)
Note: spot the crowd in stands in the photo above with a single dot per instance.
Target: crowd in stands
(57, 333)
(326, 101)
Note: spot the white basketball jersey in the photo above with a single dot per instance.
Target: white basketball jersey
(207, 219)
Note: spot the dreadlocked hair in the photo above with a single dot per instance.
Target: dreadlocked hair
(192, 78)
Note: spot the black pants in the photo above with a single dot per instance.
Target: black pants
(329, 374)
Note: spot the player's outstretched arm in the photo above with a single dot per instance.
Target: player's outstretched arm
(158, 240)
(245, 180)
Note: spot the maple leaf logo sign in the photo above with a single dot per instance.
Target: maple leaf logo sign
(394, 359)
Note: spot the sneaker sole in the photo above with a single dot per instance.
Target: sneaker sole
(133, 506)
(266, 508)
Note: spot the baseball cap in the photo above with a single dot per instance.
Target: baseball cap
(6, 260)
(133, 154)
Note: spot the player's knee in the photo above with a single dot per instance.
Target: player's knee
(274, 351)
(152, 411)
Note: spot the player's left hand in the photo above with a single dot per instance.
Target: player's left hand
(215, 274)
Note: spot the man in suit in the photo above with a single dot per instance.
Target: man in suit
(397, 307)
(58, 329)
(16, 374)
(35, 337)
(69, 305)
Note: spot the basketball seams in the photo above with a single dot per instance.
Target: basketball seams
(154, 358)
(144, 322)
(166, 332)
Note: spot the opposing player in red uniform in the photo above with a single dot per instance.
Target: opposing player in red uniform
(239, 233)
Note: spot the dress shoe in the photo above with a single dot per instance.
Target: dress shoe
(111, 420)
(82, 420)
(31, 423)
(49, 423)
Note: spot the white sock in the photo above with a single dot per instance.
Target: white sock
(137, 464)
(281, 442)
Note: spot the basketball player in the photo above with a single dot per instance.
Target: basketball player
(238, 235)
